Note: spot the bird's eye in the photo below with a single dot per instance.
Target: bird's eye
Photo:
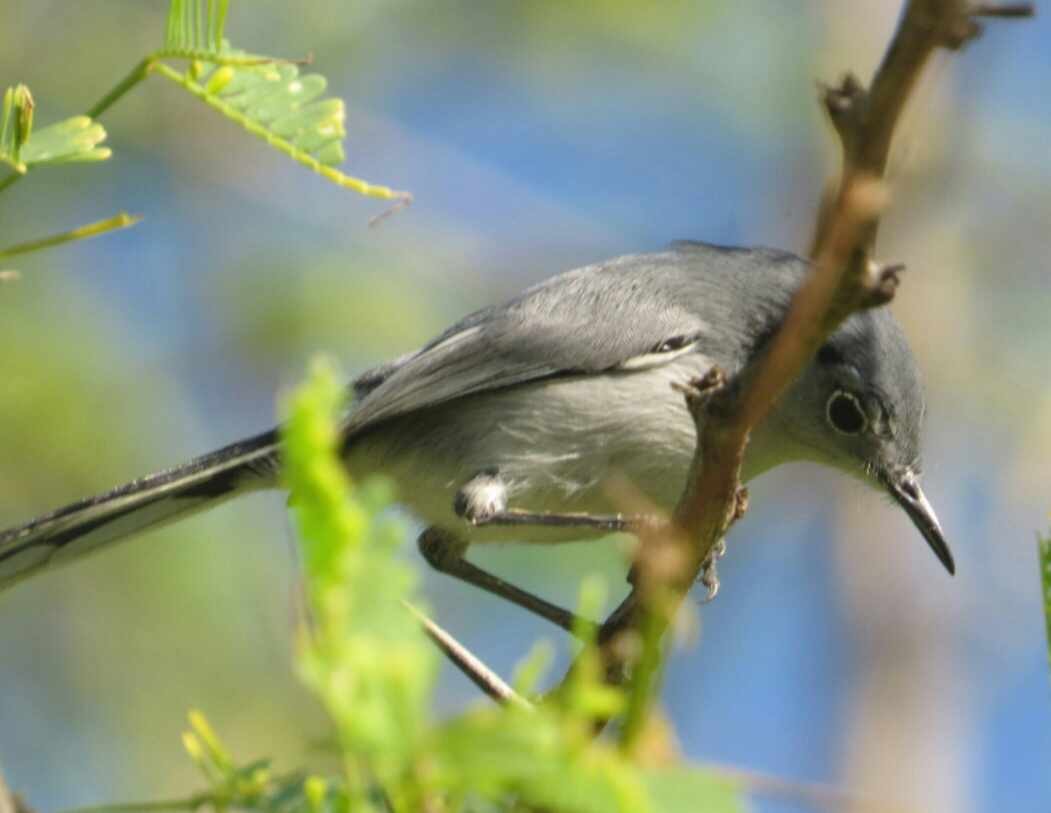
(845, 413)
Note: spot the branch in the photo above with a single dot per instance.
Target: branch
(11, 802)
(844, 278)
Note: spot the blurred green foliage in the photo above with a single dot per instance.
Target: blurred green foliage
(265, 95)
(74, 139)
(136, 352)
(369, 663)
(1044, 553)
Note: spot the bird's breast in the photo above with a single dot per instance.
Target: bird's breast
(597, 444)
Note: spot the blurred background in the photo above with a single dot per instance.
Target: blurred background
(536, 137)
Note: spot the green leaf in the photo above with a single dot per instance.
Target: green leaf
(75, 139)
(16, 124)
(364, 656)
(274, 102)
(1044, 552)
(196, 25)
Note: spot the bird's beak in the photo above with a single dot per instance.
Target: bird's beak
(907, 493)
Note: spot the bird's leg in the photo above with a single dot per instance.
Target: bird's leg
(602, 522)
(445, 553)
(483, 501)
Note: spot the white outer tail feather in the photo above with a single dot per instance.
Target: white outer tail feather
(148, 502)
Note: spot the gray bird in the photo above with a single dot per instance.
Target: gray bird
(515, 423)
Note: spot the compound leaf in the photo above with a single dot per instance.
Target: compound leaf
(274, 102)
(74, 139)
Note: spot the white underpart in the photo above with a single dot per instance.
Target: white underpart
(561, 445)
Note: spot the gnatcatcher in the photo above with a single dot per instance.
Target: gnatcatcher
(514, 423)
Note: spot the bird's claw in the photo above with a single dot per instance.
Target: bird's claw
(698, 390)
(709, 573)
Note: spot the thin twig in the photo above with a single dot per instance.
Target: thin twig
(463, 659)
(119, 221)
(1003, 10)
(11, 802)
(843, 279)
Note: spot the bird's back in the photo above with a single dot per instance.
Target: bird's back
(590, 320)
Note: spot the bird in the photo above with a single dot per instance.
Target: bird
(516, 423)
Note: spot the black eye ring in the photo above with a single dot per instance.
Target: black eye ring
(845, 414)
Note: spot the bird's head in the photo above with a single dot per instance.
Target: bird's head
(859, 407)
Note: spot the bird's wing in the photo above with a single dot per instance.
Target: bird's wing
(625, 314)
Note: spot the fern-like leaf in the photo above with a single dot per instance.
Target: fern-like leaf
(74, 139)
(1044, 553)
(16, 123)
(196, 25)
(275, 103)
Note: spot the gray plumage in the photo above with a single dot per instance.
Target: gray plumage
(545, 403)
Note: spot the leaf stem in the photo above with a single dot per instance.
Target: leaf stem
(138, 74)
(10, 179)
(1044, 553)
(119, 221)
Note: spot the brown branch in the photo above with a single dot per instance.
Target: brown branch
(844, 278)
(11, 802)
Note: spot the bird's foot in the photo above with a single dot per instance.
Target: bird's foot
(709, 572)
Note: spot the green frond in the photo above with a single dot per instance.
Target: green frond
(16, 124)
(75, 139)
(1044, 553)
(196, 26)
(272, 101)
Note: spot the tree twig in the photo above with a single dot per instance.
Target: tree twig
(11, 802)
(844, 279)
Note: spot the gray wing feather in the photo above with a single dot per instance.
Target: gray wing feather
(584, 321)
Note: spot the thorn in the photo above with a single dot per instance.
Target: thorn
(886, 279)
(841, 100)
(1004, 11)
(402, 202)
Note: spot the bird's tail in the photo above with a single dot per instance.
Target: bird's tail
(147, 502)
